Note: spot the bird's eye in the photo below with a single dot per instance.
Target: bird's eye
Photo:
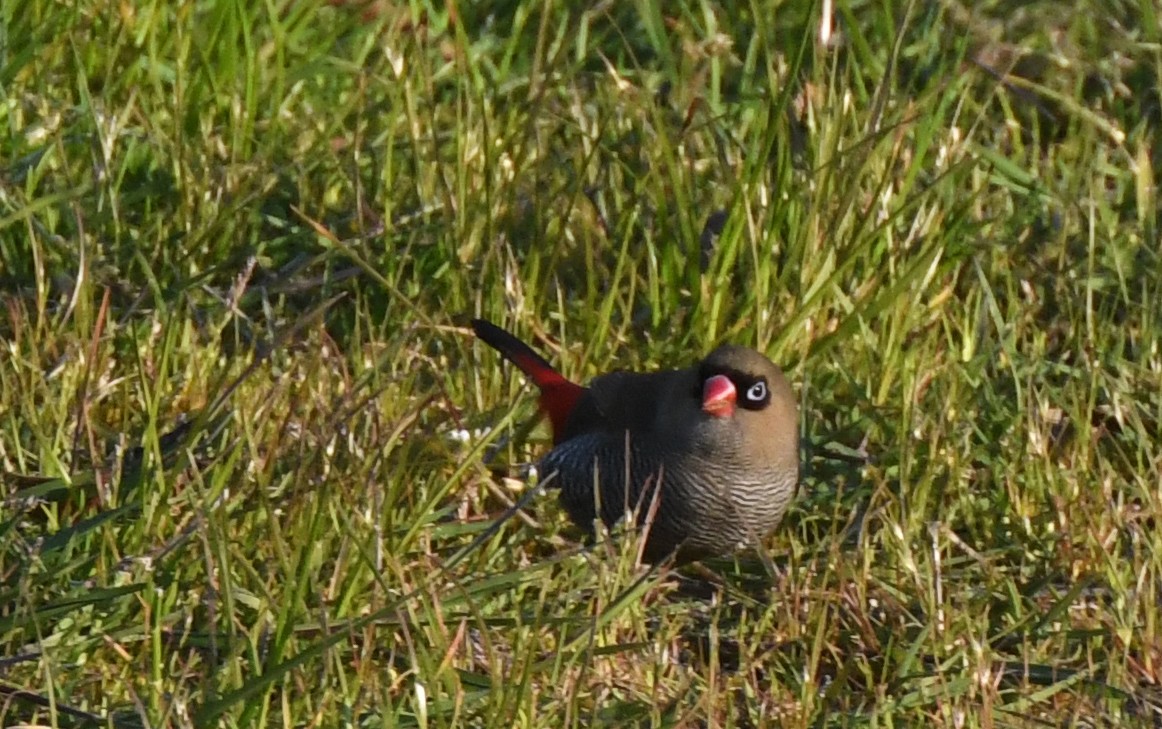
(757, 392)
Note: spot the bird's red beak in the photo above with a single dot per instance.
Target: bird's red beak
(718, 396)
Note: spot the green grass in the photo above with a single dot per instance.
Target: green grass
(250, 453)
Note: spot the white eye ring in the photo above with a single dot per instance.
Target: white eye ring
(757, 392)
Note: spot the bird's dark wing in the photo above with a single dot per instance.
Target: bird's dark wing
(628, 401)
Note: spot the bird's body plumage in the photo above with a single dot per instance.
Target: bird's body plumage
(722, 473)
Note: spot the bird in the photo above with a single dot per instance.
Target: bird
(715, 444)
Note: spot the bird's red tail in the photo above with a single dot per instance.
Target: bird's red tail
(558, 395)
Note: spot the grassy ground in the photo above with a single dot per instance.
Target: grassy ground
(250, 453)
